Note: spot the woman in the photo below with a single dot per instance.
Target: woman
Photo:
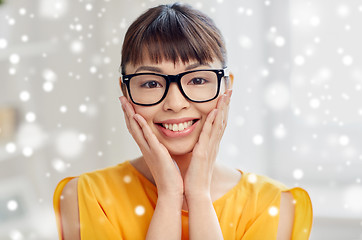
(176, 92)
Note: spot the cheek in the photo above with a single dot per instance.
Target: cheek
(147, 113)
(206, 108)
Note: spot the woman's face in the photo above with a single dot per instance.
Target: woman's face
(175, 108)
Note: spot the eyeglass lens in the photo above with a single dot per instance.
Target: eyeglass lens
(198, 86)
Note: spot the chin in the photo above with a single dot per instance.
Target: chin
(179, 153)
(177, 149)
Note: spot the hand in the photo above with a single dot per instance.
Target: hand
(163, 169)
(197, 181)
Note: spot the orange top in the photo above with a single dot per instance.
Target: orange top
(118, 203)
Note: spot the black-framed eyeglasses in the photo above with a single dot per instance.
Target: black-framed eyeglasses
(147, 89)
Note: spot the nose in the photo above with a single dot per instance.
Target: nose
(174, 100)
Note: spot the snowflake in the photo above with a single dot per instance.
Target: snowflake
(3, 43)
(140, 210)
(273, 211)
(14, 58)
(298, 174)
(24, 96)
(30, 117)
(258, 139)
(127, 179)
(10, 147)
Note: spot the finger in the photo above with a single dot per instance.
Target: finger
(126, 119)
(147, 132)
(224, 97)
(220, 101)
(226, 108)
(228, 93)
(220, 122)
(217, 126)
(127, 106)
(128, 111)
(133, 127)
(124, 113)
(137, 133)
(206, 130)
(224, 105)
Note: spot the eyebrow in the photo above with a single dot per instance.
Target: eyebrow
(158, 70)
(195, 65)
(149, 68)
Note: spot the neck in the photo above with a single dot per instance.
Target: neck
(183, 162)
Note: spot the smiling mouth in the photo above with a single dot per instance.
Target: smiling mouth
(177, 127)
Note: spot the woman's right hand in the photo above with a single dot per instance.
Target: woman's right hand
(162, 167)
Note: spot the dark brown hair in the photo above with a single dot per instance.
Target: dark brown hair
(173, 32)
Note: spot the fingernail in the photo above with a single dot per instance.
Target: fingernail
(224, 97)
(123, 101)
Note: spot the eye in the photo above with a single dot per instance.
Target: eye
(151, 84)
(197, 81)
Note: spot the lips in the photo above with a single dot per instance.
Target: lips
(177, 127)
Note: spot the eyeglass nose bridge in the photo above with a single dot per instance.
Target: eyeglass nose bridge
(173, 78)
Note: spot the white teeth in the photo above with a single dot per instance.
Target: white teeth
(177, 127)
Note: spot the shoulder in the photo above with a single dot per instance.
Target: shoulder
(287, 203)
(110, 171)
(105, 175)
(286, 216)
(262, 182)
(69, 191)
(266, 193)
(271, 194)
(69, 197)
(262, 186)
(106, 182)
(69, 210)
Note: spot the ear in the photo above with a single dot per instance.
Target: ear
(123, 87)
(231, 81)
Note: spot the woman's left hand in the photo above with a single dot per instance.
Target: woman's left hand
(197, 180)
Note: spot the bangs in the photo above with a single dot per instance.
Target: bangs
(180, 47)
(173, 33)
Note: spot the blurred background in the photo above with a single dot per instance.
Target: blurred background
(296, 111)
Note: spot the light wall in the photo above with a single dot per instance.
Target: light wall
(295, 115)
